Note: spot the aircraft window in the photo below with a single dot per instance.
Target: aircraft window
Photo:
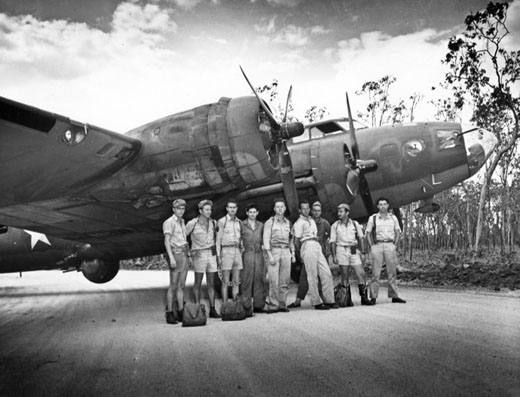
(448, 139)
(316, 133)
(390, 152)
(3, 229)
(413, 148)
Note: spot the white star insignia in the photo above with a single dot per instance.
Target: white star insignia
(35, 237)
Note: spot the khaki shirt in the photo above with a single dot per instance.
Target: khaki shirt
(176, 227)
(277, 233)
(229, 232)
(386, 228)
(305, 229)
(201, 238)
(344, 234)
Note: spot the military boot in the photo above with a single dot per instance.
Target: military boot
(349, 297)
(171, 318)
(363, 293)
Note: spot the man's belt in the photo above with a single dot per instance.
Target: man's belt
(310, 239)
(203, 249)
(347, 246)
(230, 245)
(384, 241)
(279, 245)
(180, 250)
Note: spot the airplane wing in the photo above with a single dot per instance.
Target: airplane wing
(47, 165)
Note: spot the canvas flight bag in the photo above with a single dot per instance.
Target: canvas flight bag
(341, 295)
(247, 304)
(194, 315)
(233, 310)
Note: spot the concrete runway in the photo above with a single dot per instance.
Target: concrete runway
(62, 335)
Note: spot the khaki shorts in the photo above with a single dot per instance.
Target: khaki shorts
(181, 260)
(204, 261)
(345, 258)
(231, 258)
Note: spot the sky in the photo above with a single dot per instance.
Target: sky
(121, 64)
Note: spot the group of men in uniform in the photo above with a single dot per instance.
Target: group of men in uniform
(255, 258)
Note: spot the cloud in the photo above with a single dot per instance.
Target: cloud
(292, 35)
(266, 27)
(375, 54)
(284, 3)
(190, 4)
(414, 59)
(319, 30)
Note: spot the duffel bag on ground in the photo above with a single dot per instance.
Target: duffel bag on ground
(341, 295)
(233, 310)
(194, 315)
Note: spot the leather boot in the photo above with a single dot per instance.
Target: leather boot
(171, 318)
(363, 293)
(179, 315)
(349, 297)
(213, 313)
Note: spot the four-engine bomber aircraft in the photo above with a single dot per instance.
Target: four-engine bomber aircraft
(75, 196)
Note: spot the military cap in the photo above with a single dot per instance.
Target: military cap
(316, 204)
(178, 203)
(205, 202)
(344, 206)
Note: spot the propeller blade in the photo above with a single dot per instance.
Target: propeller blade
(288, 182)
(352, 184)
(353, 140)
(364, 191)
(287, 104)
(272, 120)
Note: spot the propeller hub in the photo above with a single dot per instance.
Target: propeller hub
(290, 130)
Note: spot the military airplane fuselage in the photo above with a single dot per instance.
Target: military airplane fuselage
(102, 196)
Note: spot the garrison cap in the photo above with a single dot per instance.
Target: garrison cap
(205, 202)
(344, 206)
(178, 203)
(316, 204)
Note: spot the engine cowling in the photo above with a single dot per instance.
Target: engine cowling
(99, 271)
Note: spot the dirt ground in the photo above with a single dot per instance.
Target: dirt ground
(61, 335)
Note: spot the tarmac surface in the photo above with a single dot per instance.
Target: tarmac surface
(62, 335)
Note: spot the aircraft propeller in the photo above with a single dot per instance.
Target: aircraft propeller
(279, 134)
(357, 168)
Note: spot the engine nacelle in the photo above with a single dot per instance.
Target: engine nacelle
(99, 271)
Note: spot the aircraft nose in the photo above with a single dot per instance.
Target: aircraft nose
(479, 146)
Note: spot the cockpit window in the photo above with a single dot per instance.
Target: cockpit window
(413, 148)
(316, 133)
(448, 139)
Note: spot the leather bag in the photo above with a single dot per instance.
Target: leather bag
(233, 310)
(341, 295)
(194, 315)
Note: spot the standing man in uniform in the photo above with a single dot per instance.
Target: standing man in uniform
(177, 249)
(203, 232)
(346, 239)
(323, 238)
(229, 254)
(253, 275)
(383, 243)
(306, 242)
(279, 247)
